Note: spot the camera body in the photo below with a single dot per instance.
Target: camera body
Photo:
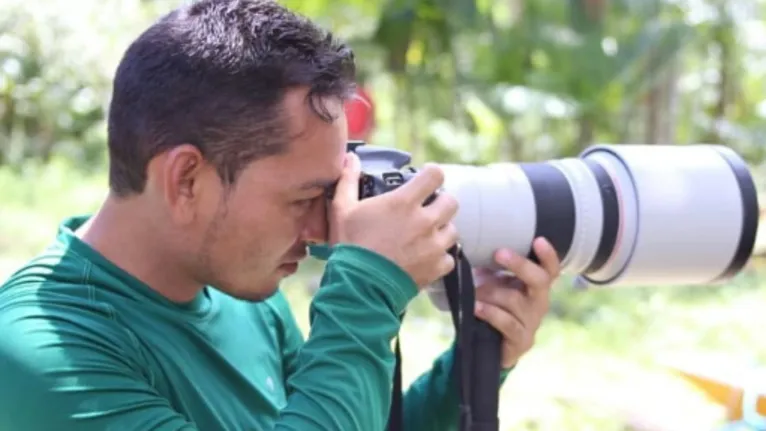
(383, 169)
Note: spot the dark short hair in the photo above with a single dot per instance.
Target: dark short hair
(214, 74)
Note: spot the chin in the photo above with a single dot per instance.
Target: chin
(256, 287)
(255, 295)
(253, 292)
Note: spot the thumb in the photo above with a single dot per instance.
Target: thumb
(347, 188)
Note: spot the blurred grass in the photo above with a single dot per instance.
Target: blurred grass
(33, 202)
(600, 362)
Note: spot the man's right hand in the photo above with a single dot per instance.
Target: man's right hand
(396, 224)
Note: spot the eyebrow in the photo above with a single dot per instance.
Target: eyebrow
(321, 183)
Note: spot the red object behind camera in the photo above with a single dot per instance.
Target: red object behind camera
(360, 113)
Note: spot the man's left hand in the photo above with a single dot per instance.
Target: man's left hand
(515, 305)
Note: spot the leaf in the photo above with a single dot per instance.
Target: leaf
(394, 32)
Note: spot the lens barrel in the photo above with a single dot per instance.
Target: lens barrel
(617, 214)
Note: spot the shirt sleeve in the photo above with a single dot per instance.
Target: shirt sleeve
(64, 370)
(431, 402)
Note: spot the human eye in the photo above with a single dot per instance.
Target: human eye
(303, 203)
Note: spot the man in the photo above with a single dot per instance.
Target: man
(162, 310)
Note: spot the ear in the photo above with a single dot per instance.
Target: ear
(185, 179)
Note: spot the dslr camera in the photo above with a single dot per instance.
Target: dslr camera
(616, 214)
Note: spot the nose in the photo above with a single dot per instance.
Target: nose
(315, 228)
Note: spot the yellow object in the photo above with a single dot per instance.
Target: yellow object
(726, 389)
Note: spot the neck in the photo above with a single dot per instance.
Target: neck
(137, 243)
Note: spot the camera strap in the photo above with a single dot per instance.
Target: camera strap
(472, 358)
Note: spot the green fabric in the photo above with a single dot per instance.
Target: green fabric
(434, 391)
(85, 346)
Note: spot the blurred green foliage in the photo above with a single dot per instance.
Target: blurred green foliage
(468, 81)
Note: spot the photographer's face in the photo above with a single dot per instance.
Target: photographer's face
(258, 231)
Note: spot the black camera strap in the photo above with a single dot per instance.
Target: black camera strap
(476, 366)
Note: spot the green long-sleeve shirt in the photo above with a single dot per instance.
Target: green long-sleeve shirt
(85, 346)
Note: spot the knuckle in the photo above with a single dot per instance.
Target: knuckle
(515, 330)
(430, 218)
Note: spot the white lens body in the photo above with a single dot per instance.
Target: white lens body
(617, 215)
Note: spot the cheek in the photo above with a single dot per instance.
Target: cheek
(256, 221)
(271, 228)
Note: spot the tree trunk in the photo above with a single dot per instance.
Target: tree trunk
(586, 133)
(667, 132)
(653, 112)
(724, 43)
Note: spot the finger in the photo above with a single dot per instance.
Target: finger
(532, 275)
(319, 223)
(482, 272)
(506, 298)
(487, 275)
(507, 279)
(483, 275)
(443, 209)
(549, 258)
(347, 188)
(510, 326)
(422, 185)
(445, 266)
(447, 236)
